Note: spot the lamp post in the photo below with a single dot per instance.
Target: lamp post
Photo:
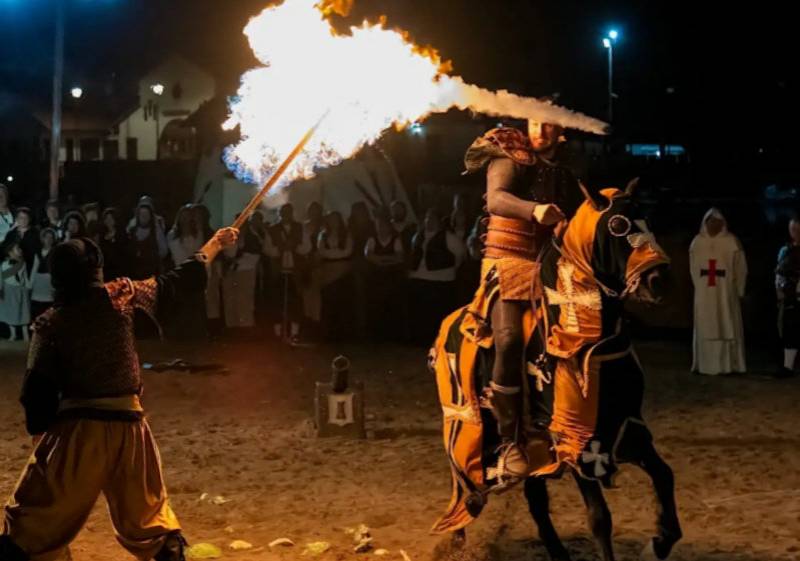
(155, 110)
(608, 43)
(58, 79)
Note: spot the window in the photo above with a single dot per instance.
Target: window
(655, 150)
(132, 148)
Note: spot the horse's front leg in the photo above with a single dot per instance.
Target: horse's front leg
(598, 514)
(669, 527)
(539, 506)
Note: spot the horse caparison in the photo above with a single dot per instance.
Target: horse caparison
(618, 268)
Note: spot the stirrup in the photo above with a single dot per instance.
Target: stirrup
(512, 465)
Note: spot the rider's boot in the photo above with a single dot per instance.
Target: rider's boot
(507, 409)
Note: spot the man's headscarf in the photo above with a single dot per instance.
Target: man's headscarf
(76, 266)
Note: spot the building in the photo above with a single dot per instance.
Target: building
(100, 127)
(168, 94)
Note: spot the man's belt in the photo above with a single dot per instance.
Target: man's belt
(510, 237)
(121, 403)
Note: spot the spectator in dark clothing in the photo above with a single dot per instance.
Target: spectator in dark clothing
(402, 225)
(361, 228)
(26, 235)
(257, 227)
(74, 225)
(41, 285)
(239, 266)
(184, 239)
(283, 246)
(15, 300)
(436, 256)
(332, 301)
(6, 216)
(52, 219)
(459, 218)
(213, 294)
(115, 245)
(385, 280)
(256, 233)
(187, 322)
(94, 228)
(204, 221)
(148, 244)
(469, 275)
(148, 201)
(787, 286)
(313, 225)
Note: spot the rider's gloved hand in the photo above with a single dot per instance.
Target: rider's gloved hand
(547, 215)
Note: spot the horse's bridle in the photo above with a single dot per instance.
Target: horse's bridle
(610, 292)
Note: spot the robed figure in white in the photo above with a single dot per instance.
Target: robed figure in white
(719, 274)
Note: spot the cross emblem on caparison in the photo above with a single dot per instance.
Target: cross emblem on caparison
(569, 299)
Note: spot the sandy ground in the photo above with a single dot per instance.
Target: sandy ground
(734, 444)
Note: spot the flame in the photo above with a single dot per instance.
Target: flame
(338, 7)
(369, 80)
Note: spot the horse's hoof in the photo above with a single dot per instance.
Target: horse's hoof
(459, 539)
(555, 551)
(474, 504)
(659, 549)
(648, 553)
(561, 556)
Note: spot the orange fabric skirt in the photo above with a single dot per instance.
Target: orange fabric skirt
(76, 461)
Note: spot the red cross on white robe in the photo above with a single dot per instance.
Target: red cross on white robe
(712, 272)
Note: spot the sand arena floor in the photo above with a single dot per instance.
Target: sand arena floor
(734, 444)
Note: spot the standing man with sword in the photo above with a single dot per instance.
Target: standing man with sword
(81, 396)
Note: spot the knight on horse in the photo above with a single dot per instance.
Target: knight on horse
(528, 194)
(537, 376)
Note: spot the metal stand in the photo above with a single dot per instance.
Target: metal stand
(286, 323)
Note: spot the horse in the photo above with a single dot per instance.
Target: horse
(585, 384)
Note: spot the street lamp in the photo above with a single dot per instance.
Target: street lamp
(154, 109)
(76, 92)
(58, 78)
(608, 43)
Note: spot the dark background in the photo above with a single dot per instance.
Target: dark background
(722, 82)
(733, 69)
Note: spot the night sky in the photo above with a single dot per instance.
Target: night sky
(734, 72)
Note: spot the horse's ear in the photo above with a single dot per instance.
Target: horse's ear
(632, 185)
(596, 200)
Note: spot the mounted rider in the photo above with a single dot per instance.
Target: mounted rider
(529, 193)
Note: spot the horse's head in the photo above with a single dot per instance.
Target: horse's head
(610, 234)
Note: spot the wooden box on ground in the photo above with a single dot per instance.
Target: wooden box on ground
(339, 414)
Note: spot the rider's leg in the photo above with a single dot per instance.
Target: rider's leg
(507, 395)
